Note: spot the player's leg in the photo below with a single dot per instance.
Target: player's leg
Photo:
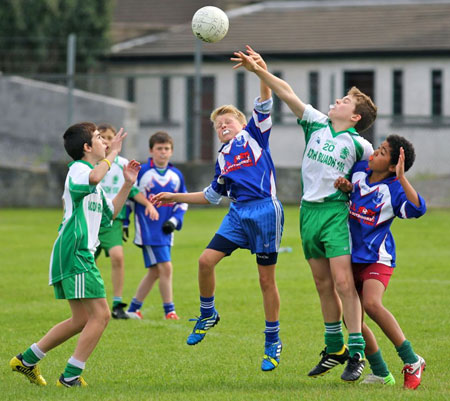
(144, 287)
(165, 289)
(117, 278)
(98, 316)
(372, 301)
(380, 372)
(271, 301)
(335, 352)
(209, 317)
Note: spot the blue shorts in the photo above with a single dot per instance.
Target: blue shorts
(154, 254)
(255, 225)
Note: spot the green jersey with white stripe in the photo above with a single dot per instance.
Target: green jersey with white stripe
(85, 208)
(328, 155)
(113, 181)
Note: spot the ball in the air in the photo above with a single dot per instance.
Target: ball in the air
(210, 24)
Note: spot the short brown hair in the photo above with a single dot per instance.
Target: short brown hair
(76, 136)
(365, 107)
(105, 127)
(160, 137)
(228, 109)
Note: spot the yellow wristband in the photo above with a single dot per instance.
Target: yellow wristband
(108, 163)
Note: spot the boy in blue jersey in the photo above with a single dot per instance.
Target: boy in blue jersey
(154, 233)
(381, 192)
(332, 146)
(245, 174)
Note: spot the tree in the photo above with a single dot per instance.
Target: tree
(33, 34)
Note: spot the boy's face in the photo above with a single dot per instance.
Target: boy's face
(380, 161)
(227, 127)
(107, 136)
(344, 110)
(161, 154)
(98, 148)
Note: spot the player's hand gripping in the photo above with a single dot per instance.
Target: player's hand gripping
(343, 184)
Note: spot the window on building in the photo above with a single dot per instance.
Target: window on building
(436, 93)
(165, 98)
(277, 116)
(397, 95)
(131, 89)
(314, 89)
(240, 91)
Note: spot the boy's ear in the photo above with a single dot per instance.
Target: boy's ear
(87, 148)
(356, 117)
(392, 168)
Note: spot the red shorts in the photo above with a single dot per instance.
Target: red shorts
(368, 271)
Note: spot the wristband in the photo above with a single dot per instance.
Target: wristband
(108, 163)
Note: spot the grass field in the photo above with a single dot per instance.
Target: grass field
(149, 360)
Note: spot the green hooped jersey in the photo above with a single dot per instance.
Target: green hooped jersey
(328, 155)
(85, 208)
(113, 181)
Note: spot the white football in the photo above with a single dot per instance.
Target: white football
(210, 24)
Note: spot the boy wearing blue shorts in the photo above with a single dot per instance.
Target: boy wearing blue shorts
(246, 175)
(379, 193)
(332, 146)
(73, 272)
(154, 233)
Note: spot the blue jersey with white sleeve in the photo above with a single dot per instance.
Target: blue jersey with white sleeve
(372, 210)
(244, 168)
(151, 181)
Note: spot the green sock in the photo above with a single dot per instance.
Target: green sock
(406, 352)
(356, 344)
(334, 339)
(377, 364)
(71, 371)
(30, 357)
(116, 301)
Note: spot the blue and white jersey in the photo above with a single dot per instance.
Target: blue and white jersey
(372, 210)
(152, 181)
(244, 167)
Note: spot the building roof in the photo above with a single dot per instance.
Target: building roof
(310, 28)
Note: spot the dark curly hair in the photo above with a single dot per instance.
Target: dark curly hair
(396, 142)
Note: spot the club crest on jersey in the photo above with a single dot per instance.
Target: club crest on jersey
(239, 140)
(378, 198)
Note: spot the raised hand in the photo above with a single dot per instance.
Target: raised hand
(257, 57)
(116, 143)
(131, 170)
(400, 167)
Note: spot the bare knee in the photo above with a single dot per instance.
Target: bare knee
(371, 306)
(324, 285)
(345, 287)
(205, 264)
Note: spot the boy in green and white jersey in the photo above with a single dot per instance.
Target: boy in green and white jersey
(73, 272)
(111, 238)
(332, 147)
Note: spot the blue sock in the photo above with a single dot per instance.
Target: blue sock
(271, 331)
(135, 305)
(207, 306)
(168, 307)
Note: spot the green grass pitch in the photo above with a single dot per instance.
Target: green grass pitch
(149, 360)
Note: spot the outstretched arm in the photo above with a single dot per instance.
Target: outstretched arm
(410, 192)
(282, 89)
(266, 92)
(164, 198)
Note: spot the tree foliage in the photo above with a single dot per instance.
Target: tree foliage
(33, 34)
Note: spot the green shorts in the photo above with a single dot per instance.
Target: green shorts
(83, 285)
(109, 237)
(324, 229)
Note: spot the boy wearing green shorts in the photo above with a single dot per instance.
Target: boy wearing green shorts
(73, 272)
(111, 238)
(332, 147)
